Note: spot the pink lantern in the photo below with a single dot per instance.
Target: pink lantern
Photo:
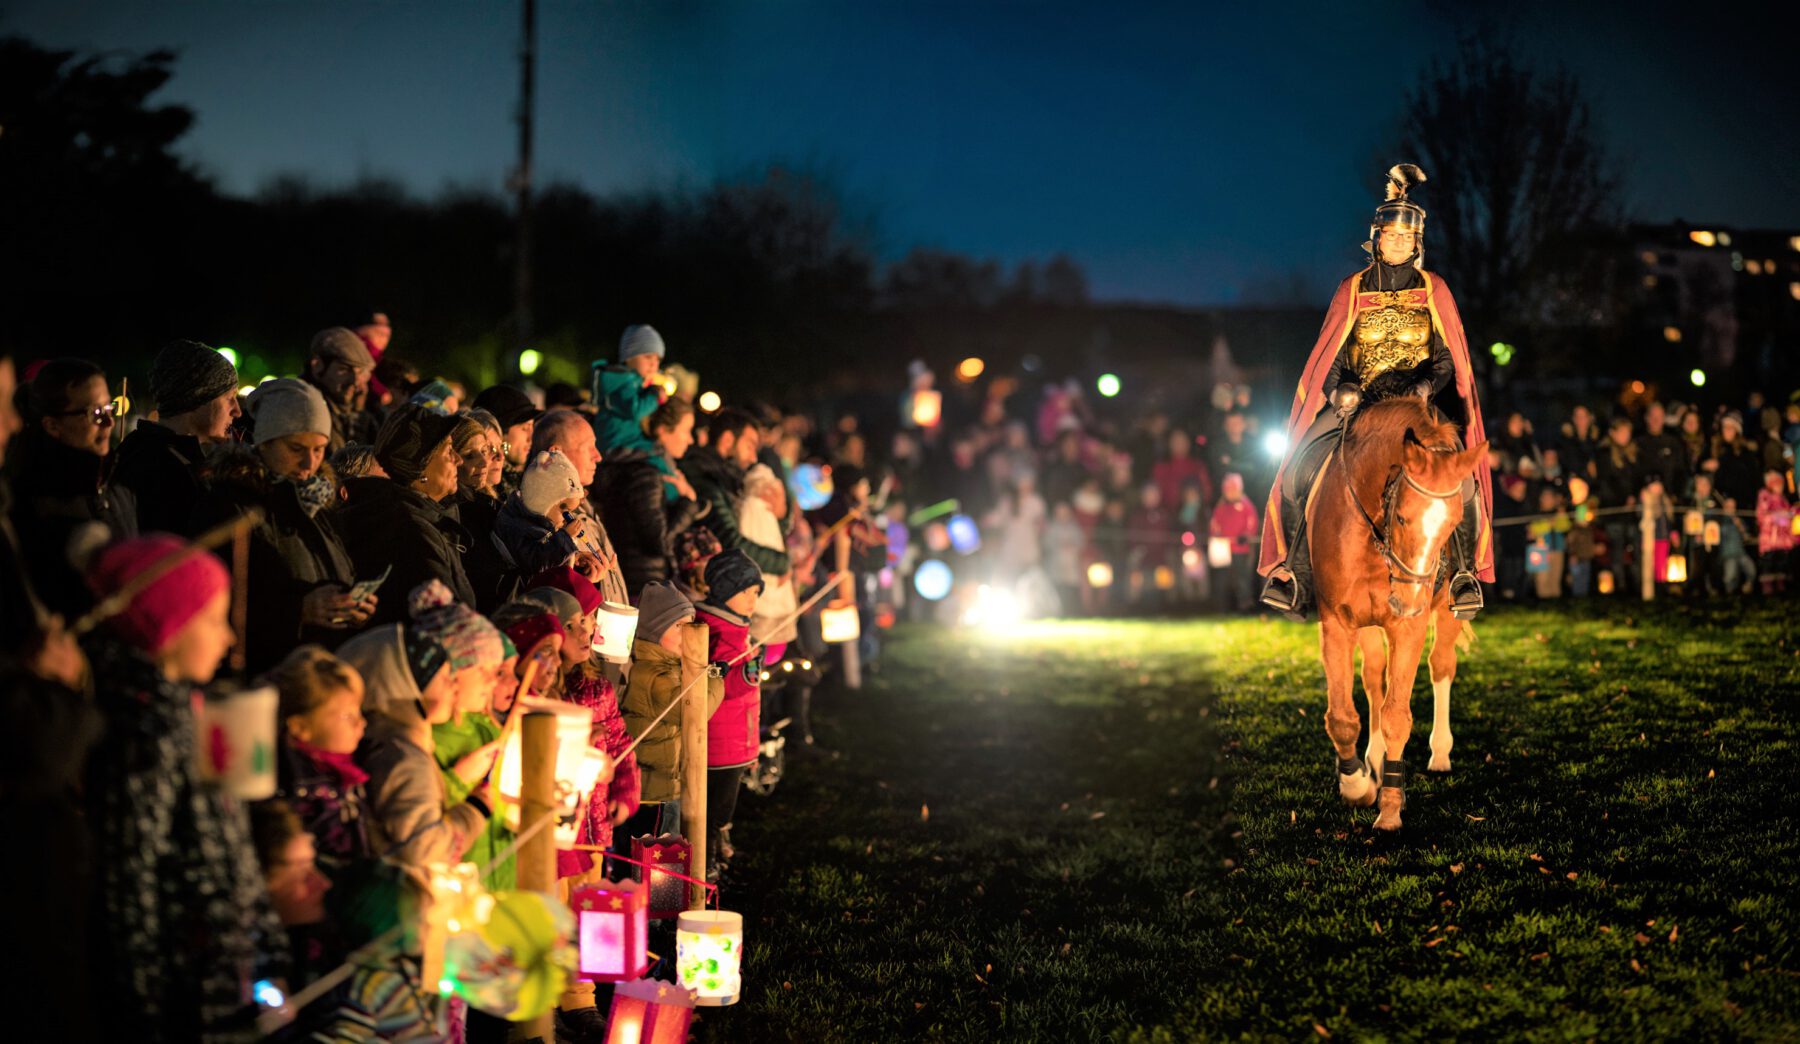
(612, 927)
(664, 858)
(650, 1011)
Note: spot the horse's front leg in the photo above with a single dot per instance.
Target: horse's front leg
(1342, 723)
(1373, 642)
(1406, 643)
(1443, 672)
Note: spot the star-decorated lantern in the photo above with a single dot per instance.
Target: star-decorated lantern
(709, 955)
(650, 1011)
(665, 858)
(611, 926)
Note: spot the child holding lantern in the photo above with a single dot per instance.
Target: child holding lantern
(733, 733)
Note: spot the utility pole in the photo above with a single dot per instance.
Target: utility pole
(522, 181)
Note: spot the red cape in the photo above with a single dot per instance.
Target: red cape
(1310, 397)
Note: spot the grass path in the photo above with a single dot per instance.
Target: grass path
(1083, 831)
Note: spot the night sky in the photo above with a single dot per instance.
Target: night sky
(1178, 154)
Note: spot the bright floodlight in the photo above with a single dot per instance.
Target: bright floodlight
(529, 361)
(933, 580)
(1275, 443)
(1108, 384)
(710, 402)
(1698, 377)
(994, 607)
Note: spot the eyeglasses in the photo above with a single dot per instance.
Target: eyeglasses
(479, 454)
(100, 415)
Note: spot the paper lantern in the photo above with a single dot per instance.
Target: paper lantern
(898, 537)
(1693, 523)
(937, 538)
(1604, 580)
(1710, 536)
(1218, 552)
(1578, 490)
(612, 924)
(650, 1011)
(1794, 525)
(1537, 559)
(663, 858)
(811, 486)
(709, 953)
(517, 961)
(1100, 574)
(965, 535)
(1675, 572)
(927, 407)
(933, 580)
(615, 626)
(236, 742)
(1164, 578)
(1192, 562)
(840, 624)
(579, 767)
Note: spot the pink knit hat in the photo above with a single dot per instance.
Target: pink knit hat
(157, 613)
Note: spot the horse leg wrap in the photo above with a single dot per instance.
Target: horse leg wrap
(1393, 777)
(1350, 766)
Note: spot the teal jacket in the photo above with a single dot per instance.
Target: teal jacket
(623, 401)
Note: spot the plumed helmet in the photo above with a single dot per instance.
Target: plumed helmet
(1398, 210)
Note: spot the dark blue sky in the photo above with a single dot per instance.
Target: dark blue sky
(1180, 152)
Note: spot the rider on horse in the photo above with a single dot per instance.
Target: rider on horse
(1393, 329)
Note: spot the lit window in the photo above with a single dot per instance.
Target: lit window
(1753, 266)
(1672, 334)
(1703, 237)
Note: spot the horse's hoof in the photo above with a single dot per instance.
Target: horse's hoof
(1356, 787)
(1392, 801)
(1438, 763)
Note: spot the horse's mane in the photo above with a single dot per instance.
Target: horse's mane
(1385, 422)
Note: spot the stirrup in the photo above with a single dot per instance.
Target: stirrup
(1465, 596)
(1281, 595)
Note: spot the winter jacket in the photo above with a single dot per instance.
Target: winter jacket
(773, 622)
(1236, 521)
(623, 401)
(1174, 475)
(719, 484)
(331, 802)
(1618, 474)
(733, 732)
(409, 822)
(584, 686)
(1740, 469)
(387, 524)
(57, 490)
(292, 554)
(483, 562)
(183, 924)
(629, 492)
(160, 469)
(655, 682)
(453, 741)
(528, 542)
(347, 425)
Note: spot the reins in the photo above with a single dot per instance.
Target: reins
(1378, 531)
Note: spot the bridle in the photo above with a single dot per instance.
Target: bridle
(1398, 571)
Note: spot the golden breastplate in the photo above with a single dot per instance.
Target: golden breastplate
(1392, 331)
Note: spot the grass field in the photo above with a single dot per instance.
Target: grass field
(1129, 830)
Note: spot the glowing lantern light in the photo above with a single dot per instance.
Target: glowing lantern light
(612, 925)
(1605, 581)
(1191, 561)
(579, 767)
(927, 407)
(529, 361)
(1218, 552)
(1710, 535)
(1672, 334)
(1165, 578)
(1693, 523)
(1676, 570)
(840, 624)
(811, 486)
(969, 369)
(669, 383)
(937, 538)
(516, 957)
(1698, 377)
(1100, 574)
(1275, 443)
(237, 747)
(1578, 489)
(709, 953)
(1637, 387)
(615, 627)
(933, 580)
(1502, 352)
(650, 1011)
(664, 858)
(710, 402)
(965, 535)
(1108, 385)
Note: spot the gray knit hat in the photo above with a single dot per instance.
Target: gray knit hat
(640, 340)
(660, 607)
(187, 375)
(342, 345)
(287, 407)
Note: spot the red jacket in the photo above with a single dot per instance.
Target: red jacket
(1236, 521)
(734, 732)
(588, 689)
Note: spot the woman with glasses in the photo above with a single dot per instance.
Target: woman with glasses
(63, 507)
(477, 439)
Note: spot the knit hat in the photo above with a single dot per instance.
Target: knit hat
(1733, 417)
(432, 394)
(562, 603)
(189, 579)
(661, 607)
(549, 480)
(527, 633)
(412, 433)
(397, 664)
(187, 375)
(425, 656)
(566, 579)
(509, 405)
(287, 407)
(640, 340)
(729, 573)
(343, 346)
(464, 633)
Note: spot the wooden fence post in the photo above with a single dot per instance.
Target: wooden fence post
(694, 683)
(537, 801)
(1647, 552)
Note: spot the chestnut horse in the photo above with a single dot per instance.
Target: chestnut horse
(1385, 507)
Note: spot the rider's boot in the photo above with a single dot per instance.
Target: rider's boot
(1465, 590)
(1287, 590)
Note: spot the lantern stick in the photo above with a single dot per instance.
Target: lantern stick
(240, 597)
(116, 603)
(537, 794)
(693, 753)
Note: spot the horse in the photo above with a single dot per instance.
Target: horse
(1384, 508)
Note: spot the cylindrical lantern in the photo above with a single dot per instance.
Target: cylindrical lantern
(650, 1011)
(1164, 577)
(1100, 574)
(612, 923)
(236, 742)
(1693, 523)
(614, 627)
(709, 953)
(1605, 581)
(1676, 571)
(927, 407)
(573, 725)
(840, 624)
(1218, 552)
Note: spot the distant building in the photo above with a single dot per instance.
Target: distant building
(1719, 304)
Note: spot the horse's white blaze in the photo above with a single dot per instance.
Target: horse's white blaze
(1433, 518)
(1440, 725)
